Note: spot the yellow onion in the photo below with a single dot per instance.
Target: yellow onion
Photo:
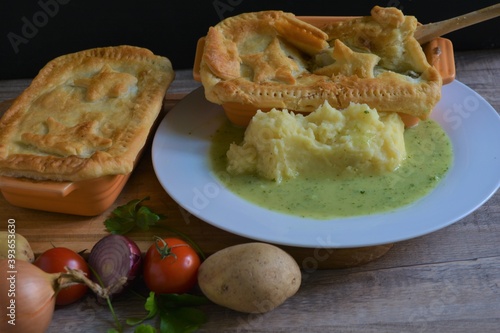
(27, 297)
(28, 294)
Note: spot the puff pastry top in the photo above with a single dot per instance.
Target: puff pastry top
(271, 59)
(85, 115)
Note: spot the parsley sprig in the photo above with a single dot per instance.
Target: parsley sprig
(177, 313)
(133, 214)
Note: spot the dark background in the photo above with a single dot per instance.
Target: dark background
(36, 31)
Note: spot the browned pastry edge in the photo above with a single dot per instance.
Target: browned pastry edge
(120, 158)
(389, 92)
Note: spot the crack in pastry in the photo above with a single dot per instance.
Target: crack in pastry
(251, 61)
(85, 115)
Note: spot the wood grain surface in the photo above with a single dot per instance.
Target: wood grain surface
(446, 281)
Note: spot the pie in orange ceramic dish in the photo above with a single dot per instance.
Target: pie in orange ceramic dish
(85, 115)
(271, 59)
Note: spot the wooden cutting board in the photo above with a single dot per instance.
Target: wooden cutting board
(45, 229)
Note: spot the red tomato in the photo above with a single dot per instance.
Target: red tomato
(170, 266)
(53, 261)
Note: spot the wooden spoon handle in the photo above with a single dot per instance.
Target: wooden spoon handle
(428, 32)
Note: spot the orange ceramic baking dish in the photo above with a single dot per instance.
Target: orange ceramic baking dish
(92, 196)
(87, 197)
(439, 53)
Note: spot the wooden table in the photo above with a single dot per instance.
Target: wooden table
(447, 281)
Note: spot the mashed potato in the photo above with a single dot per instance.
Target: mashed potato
(281, 145)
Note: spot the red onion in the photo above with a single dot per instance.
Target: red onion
(114, 258)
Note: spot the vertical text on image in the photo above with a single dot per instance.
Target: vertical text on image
(11, 243)
(11, 272)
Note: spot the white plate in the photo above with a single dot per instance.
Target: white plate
(180, 159)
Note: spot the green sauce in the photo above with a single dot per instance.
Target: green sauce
(323, 196)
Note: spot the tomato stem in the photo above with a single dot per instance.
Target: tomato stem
(164, 250)
(187, 239)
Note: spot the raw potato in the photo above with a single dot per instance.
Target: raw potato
(17, 242)
(252, 277)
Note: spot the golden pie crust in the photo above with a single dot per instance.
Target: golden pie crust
(271, 59)
(85, 115)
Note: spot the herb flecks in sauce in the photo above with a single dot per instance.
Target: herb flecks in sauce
(324, 196)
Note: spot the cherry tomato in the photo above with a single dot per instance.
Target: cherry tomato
(53, 261)
(170, 266)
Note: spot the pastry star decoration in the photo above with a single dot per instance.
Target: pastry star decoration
(63, 140)
(271, 64)
(348, 63)
(106, 83)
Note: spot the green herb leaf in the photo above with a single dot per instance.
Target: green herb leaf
(172, 301)
(126, 217)
(119, 225)
(145, 218)
(181, 320)
(128, 210)
(150, 306)
(144, 328)
(177, 312)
